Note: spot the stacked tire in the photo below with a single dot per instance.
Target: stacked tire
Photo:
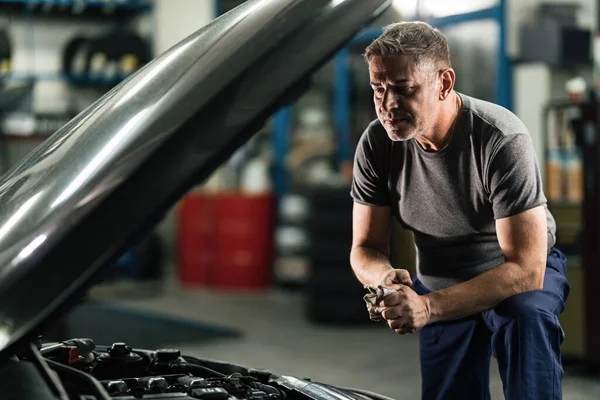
(334, 295)
(291, 267)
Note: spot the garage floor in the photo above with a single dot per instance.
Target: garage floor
(278, 337)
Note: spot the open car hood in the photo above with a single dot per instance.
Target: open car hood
(78, 201)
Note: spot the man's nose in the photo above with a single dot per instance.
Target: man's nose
(390, 101)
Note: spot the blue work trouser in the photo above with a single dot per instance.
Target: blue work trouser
(522, 332)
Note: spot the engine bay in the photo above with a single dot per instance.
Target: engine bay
(78, 369)
(126, 373)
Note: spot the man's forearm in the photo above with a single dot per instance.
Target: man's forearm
(483, 292)
(369, 264)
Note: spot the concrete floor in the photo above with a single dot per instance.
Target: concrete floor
(278, 337)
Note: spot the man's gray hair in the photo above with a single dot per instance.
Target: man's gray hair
(426, 44)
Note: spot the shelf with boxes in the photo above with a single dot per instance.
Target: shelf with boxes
(572, 148)
(564, 182)
(565, 190)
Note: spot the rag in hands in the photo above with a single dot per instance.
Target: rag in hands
(373, 297)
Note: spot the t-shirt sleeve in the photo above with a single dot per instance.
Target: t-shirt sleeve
(369, 181)
(515, 182)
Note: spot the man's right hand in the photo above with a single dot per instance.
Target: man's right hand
(395, 279)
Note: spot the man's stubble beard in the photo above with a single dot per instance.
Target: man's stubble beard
(401, 135)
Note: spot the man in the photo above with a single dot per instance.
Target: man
(462, 174)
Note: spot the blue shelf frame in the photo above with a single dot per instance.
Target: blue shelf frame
(218, 7)
(504, 73)
(16, 76)
(280, 134)
(135, 5)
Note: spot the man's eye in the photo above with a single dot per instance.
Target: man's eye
(378, 91)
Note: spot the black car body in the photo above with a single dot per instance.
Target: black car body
(76, 203)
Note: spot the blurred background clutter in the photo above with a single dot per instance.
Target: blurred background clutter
(252, 266)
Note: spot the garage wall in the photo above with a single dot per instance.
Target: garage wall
(176, 19)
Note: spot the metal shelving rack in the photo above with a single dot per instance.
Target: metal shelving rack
(58, 10)
(61, 5)
(72, 10)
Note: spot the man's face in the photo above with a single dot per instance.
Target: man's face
(405, 96)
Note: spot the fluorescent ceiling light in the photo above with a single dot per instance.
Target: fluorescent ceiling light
(441, 8)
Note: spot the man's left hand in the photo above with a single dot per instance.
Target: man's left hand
(406, 311)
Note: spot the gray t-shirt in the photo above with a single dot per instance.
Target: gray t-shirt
(450, 199)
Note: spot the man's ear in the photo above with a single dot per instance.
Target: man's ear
(447, 78)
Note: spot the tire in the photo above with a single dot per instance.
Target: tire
(337, 310)
(338, 224)
(334, 281)
(329, 198)
(331, 252)
(150, 255)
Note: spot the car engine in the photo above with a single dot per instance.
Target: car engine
(78, 369)
(126, 373)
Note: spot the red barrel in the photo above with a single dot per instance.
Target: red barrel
(245, 228)
(196, 239)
